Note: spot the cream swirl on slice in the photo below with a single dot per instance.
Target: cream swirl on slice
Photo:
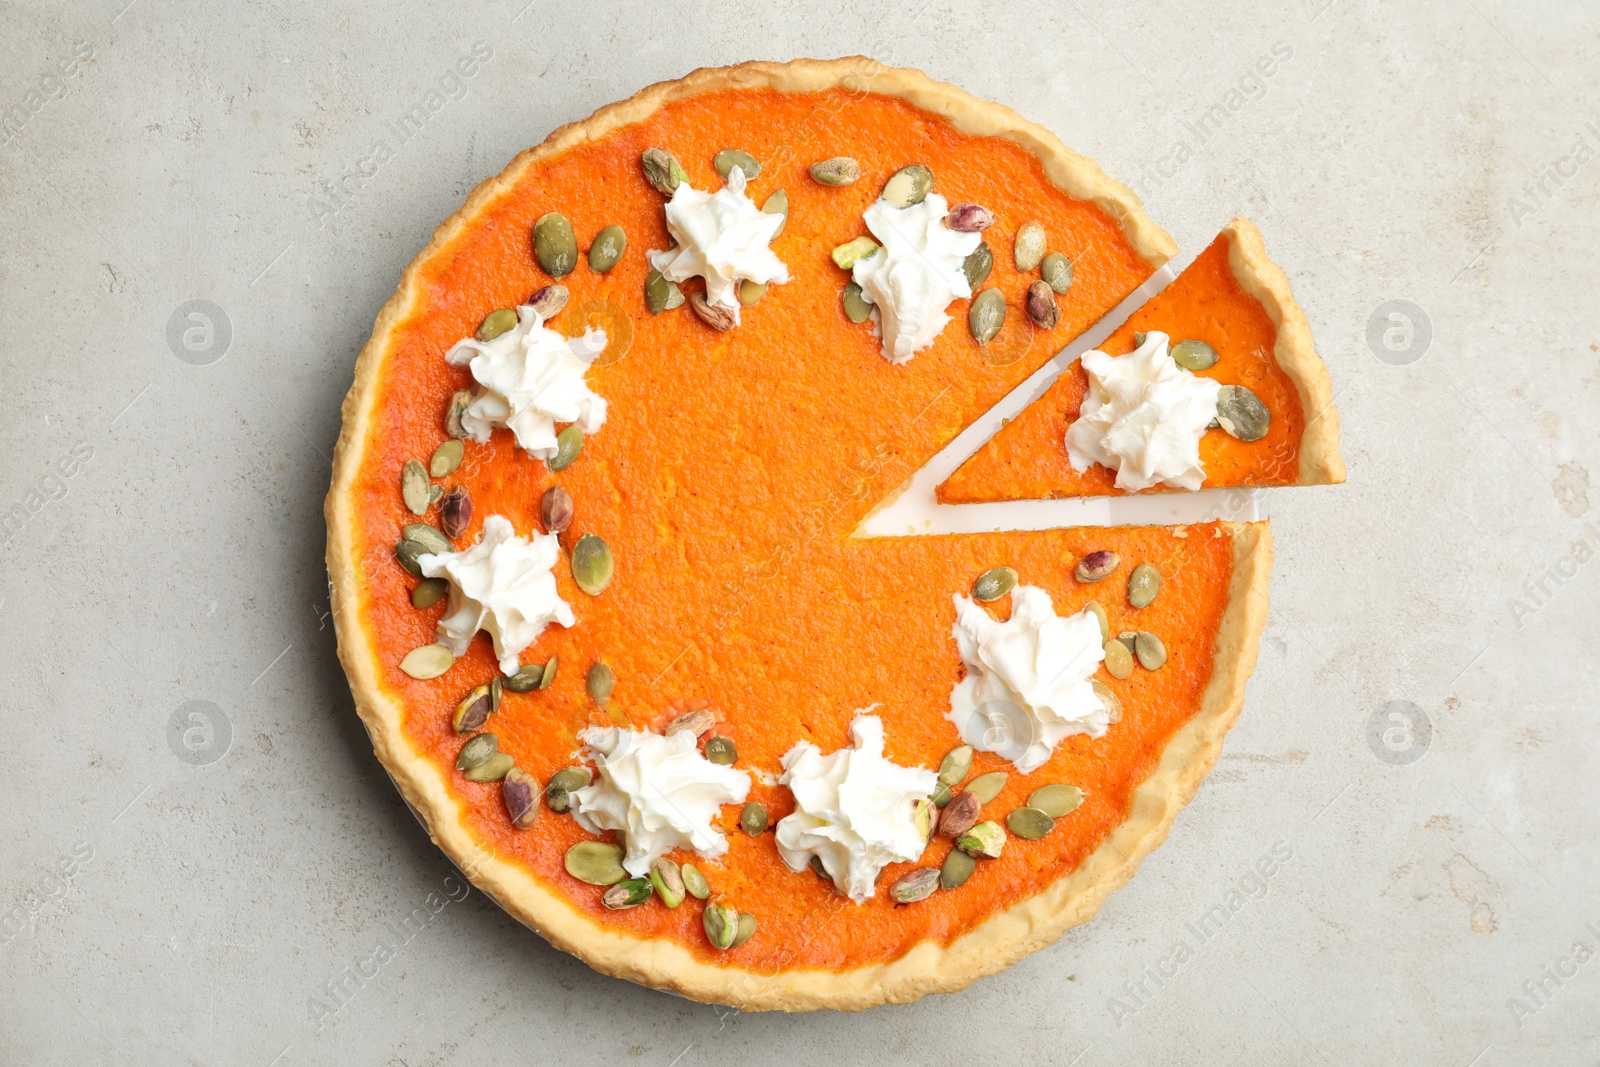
(723, 238)
(913, 277)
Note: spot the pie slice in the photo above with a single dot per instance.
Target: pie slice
(656, 530)
(1237, 301)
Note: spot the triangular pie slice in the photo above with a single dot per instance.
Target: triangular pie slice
(1233, 298)
(726, 479)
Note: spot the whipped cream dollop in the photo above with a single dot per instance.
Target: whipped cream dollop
(504, 585)
(721, 237)
(530, 378)
(1143, 417)
(659, 792)
(914, 276)
(1028, 678)
(854, 810)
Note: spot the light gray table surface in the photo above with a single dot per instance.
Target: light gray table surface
(188, 882)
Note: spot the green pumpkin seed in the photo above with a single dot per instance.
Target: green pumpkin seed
(592, 565)
(694, 883)
(497, 322)
(428, 591)
(414, 486)
(721, 750)
(446, 458)
(496, 694)
(1055, 800)
(595, 862)
(1030, 824)
(1241, 413)
(667, 878)
(473, 711)
(662, 170)
(986, 315)
(599, 682)
(856, 308)
(1143, 585)
(452, 413)
(747, 929)
(1193, 355)
(993, 584)
(987, 786)
(527, 678)
(943, 795)
(547, 677)
(914, 885)
(977, 265)
(1096, 566)
(777, 204)
(659, 294)
(1151, 652)
(721, 925)
(571, 779)
(1119, 661)
(555, 246)
(1127, 636)
(845, 255)
(628, 893)
(956, 869)
(908, 186)
(607, 248)
(1138, 338)
(750, 292)
(435, 493)
(1113, 705)
(818, 869)
(408, 553)
(569, 442)
(427, 662)
(520, 792)
(986, 839)
(431, 538)
(753, 818)
(1056, 270)
(923, 816)
(1028, 249)
(725, 160)
(492, 769)
(1093, 608)
(476, 751)
(840, 170)
(956, 765)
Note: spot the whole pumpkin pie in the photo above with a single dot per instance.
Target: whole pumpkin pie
(623, 415)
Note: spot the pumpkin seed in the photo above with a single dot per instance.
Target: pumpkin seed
(1119, 661)
(721, 925)
(959, 815)
(476, 751)
(667, 877)
(969, 218)
(956, 869)
(558, 792)
(1056, 270)
(1143, 585)
(750, 292)
(908, 186)
(408, 553)
(977, 265)
(955, 766)
(455, 512)
(777, 204)
(548, 301)
(694, 883)
(747, 929)
(1138, 338)
(496, 694)
(595, 862)
(662, 170)
(725, 160)
(1028, 248)
(845, 255)
(414, 486)
(922, 815)
(497, 322)
(1127, 636)
(986, 839)
(721, 750)
(628, 893)
(548, 677)
(818, 869)
(659, 294)
(526, 680)
(435, 493)
(1030, 824)
(569, 442)
(452, 413)
(914, 885)
(1055, 800)
(555, 509)
(1241, 413)
(993, 584)
(1093, 608)
(473, 711)
(1193, 355)
(1096, 566)
(1151, 652)
(428, 592)
(555, 246)
(697, 722)
(607, 248)
(426, 662)
(599, 682)
(1108, 698)
(840, 170)
(1042, 306)
(856, 308)
(943, 796)
(431, 538)
(592, 565)
(753, 818)
(520, 792)
(492, 769)
(987, 786)
(713, 315)
(986, 315)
